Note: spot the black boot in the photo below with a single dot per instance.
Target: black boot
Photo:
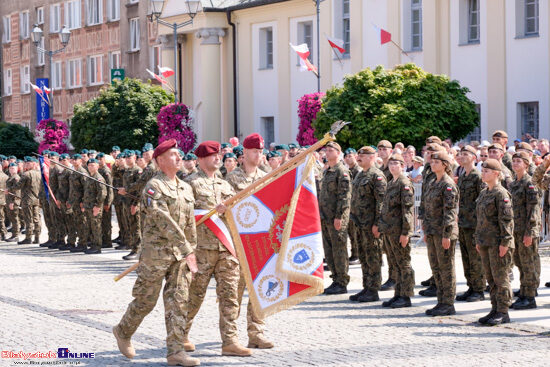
(329, 288)
(524, 303)
(353, 260)
(79, 248)
(13, 239)
(46, 244)
(431, 291)
(26, 241)
(427, 282)
(56, 244)
(517, 293)
(431, 310)
(444, 310)
(354, 297)
(401, 302)
(337, 289)
(93, 251)
(464, 296)
(547, 284)
(122, 246)
(131, 256)
(369, 296)
(107, 245)
(475, 297)
(389, 302)
(66, 247)
(483, 320)
(389, 285)
(498, 318)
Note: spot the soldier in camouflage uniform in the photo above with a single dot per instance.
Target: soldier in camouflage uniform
(334, 203)
(29, 184)
(169, 240)
(496, 151)
(45, 205)
(93, 201)
(3, 180)
(77, 183)
(133, 235)
(495, 241)
(57, 214)
(469, 185)
(526, 147)
(541, 178)
(350, 158)
(397, 225)
(118, 200)
(367, 195)
(62, 195)
(440, 226)
(240, 178)
(106, 228)
(526, 203)
(501, 137)
(13, 201)
(210, 191)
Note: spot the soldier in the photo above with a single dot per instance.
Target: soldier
(3, 180)
(229, 163)
(367, 195)
(115, 151)
(541, 179)
(273, 160)
(118, 200)
(57, 214)
(106, 228)
(441, 232)
(190, 163)
(397, 225)
(501, 137)
(77, 182)
(13, 200)
(133, 235)
(292, 150)
(168, 254)
(213, 258)
(495, 241)
(334, 203)
(469, 185)
(46, 211)
(496, 151)
(29, 184)
(526, 204)
(526, 147)
(350, 158)
(283, 149)
(62, 195)
(93, 201)
(242, 177)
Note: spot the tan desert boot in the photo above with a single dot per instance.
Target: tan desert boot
(182, 359)
(260, 342)
(188, 346)
(124, 345)
(236, 349)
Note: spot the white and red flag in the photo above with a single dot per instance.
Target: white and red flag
(336, 43)
(157, 77)
(278, 239)
(165, 71)
(303, 52)
(218, 227)
(384, 35)
(47, 90)
(37, 89)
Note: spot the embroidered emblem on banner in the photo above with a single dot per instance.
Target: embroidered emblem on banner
(270, 288)
(276, 228)
(300, 257)
(247, 214)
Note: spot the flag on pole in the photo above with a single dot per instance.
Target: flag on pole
(157, 77)
(165, 72)
(47, 90)
(303, 52)
(278, 240)
(384, 35)
(37, 89)
(336, 43)
(45, 172)
(218, 227)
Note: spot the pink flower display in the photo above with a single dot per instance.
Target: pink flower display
(175, 121)
(308, 106)
(52, 135)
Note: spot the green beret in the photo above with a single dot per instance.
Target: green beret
(12, 157)
(273, 154)
(138, 153)
(64, 156)
(100, 155)
(121, 155)
(92, 160)
(13, 164)
(54, 154)
(349, 151)
(77, 156)
(91, 151)
(281, 147)
(147, 147)
(115, 148)
(229, 155)
(84, 151)
(130, 153)
(293, 146)
(190, 157)
(226, 145)
(20, 161)
(238, 148)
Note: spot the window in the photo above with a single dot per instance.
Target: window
(41, 56)
(473, 21)
(25, 78)
(72, 14)
(156, 57)
(266, 48)
(268, 129)
(24, 30)
(133, 1)
(346, 25)
(95, 70)
(7, 82)
(56, 75)
(74, 73)
(114, 10)
(529, 119)
(6, 29)
(55, 18)
(94, 12)
(476, 133)
(416, 24)
(305, 35)
(134, 34)
(531, 17)
(114, 60)
(40, 15)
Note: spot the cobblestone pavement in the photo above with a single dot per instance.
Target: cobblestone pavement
(51, 299)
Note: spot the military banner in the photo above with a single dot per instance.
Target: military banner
(277, 234)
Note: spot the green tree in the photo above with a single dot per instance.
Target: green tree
(123, 114)
(405, 104)
(16, 140)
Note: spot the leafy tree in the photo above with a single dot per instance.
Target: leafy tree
(16, 140)
(405, 104)
(123, 114)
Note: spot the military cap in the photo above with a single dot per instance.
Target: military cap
(92, 160)
(226, 145)
(492, 164)
(138, 153)
(2, 158)
(237, 148)
(207, 148)
(253, 141)
(164, 147)
(418, 159)
(384, 144)
(64, 156)
(12, 157)
(522, 155)
(12, 164)
(434, 147)
(54, 154)
(125, 151)
(45, 151)
(147, 147)
(433, 139)
(229, 155)
(496, 146)
(84, 151)
(20, 161)
(121, 155)
(349, 151)
(100, 155)
(470, 149)
(130, 153)
(77, 156)
(92, 151)
(190, 157)
(500, 134)
(367, 150)
(265, 151)
(442, 156)
(526, 146)
(293, 146)
(26, 158)
(239, 153)
(115, 148)
(397, 157)
(33, 159)
(282, 147)
(273, 154)
(335, 145)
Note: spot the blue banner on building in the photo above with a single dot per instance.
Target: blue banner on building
(42, 108)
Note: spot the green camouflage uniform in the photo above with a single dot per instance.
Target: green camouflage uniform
(106, 228)
(13, 215)
(94, 196)
(62, 195)
(353, 231)
(76, 193)
(57, 214)
(133, 237)
(507, 160)
(136, 188)
(118, 202)
(29, 184)
(46, 211)
(3, 181)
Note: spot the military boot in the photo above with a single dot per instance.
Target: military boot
(369, 296)
(401, 302)
(93, 251)
(464, 296)
(430, 311)
(444, 310)
(182, 359)
(56, 244)
(107, 245)
(79, 248)
(517, 293)
(26, 241)
(187, 345)
(337, 289)
(46, 244)
(329, 287)
(13, 239)
(483, 320)
(389, 302)
(431, 291)
(36, 239)
(475, 297)
(354, 297)
(124, 345)
(547, 284)
(524, 303)
(427, 282)
(498, 318)
(131, 256)
(260, 342)
(237, 350)
(388, 285)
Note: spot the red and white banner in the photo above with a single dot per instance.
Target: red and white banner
(384, 35)
(303, 52)
(336, 43)
(165, 71)
(278, 240)
(157, 77)
(218, 227)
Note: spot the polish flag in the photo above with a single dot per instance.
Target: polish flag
(47, 90)
(303, 52)
(157, 77)
(37, 89)
(336, 43)
(166, 72)
(385, 36)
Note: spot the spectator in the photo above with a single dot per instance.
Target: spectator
(418, 166)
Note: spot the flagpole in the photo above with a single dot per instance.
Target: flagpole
(317, 3)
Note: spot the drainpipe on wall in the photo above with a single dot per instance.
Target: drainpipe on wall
(235, 99)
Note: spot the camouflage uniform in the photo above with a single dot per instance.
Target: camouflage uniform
(57, 214)
(94, 196)
(507, 160)
(440, 221)
(495, 227)
(506, 176)
(396, 219)
(76, 193)
(163, 257)
(334, 202)
(526, 203)
(29, 184)
(239, 180)
(3, 181)
(353, 230)
(470, 186)
(133, 236)
(118, 202)
(136, 188)
(62, 195)
(213, 258)
(45, 205)
(106, 234)
(367, 195)
(13, 215)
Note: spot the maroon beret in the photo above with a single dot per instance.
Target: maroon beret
(253, 141)
(165, 146)
(207, 148)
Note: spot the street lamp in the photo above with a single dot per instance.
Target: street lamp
(193, 7)
(64, 37)
(317, 4)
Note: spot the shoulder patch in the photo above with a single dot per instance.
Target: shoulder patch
(379, 178)
(151, 192)
(449, 188)
(506, 200)
(406, 188)
(532, 187)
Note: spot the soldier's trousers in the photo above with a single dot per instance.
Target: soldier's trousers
(59, 222)
(82, 226)
(106, 226)
(471, 260)
(95, 227)
(496, 271)
(72, 225)
(31, 216)
(336, 251)
(3, 230)
(370, 255)
(119, 210)
(13, 216)
(354, 237)
(146, 292)
(254, 323)
(45, 204)
(442, 263)
(133, 237)
(400, 258)
(527, 260)
(225, 268)
(392, 270)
